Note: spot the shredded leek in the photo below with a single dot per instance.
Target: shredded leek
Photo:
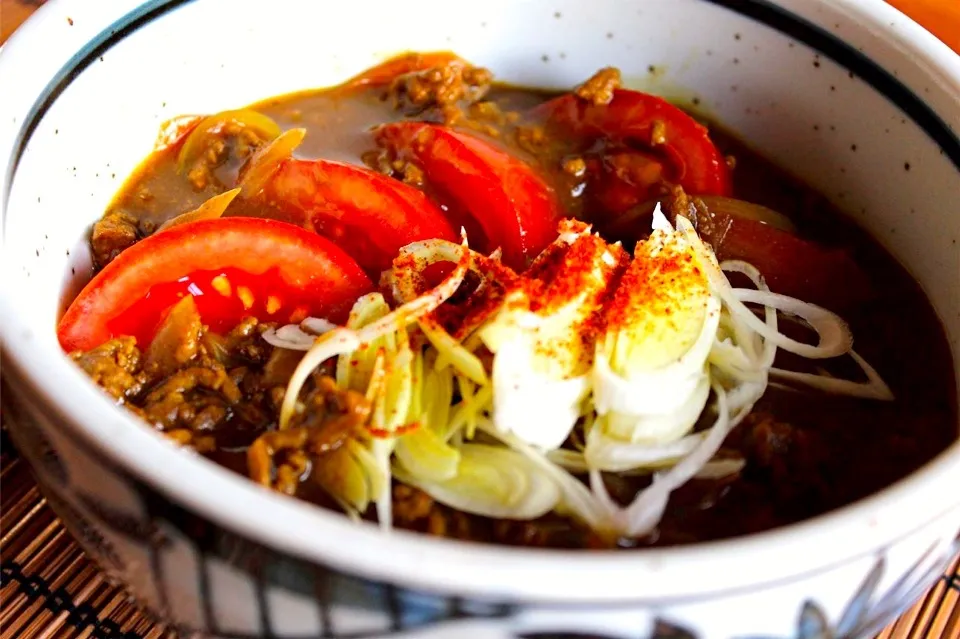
(493, 439)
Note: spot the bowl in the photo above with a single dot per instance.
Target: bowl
(851, 96)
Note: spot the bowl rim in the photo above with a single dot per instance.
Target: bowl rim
(417, 561)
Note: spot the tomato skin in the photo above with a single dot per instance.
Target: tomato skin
(303, 271)
(514, 208)
(389, 70)
(370, 215)
(632, 119)
(790, 264)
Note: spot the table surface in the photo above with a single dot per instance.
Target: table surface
(50, 590)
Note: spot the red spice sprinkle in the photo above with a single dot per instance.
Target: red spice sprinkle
(641, 292)
(382, 433)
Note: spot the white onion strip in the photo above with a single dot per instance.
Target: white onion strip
(645, 512)
(298, 337)
(769, 349)
(835, 337)
(576, 497)
(873, 388)
(608, 454)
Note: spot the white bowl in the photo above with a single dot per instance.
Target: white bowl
(85, 87)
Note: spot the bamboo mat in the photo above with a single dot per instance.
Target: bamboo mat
(50, 590)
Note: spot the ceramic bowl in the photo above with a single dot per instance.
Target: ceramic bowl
(848, 94)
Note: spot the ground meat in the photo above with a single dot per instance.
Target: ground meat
(387, 162)
(113, 233)
(448, 88)
(488, 118)
(115, 367)
(197, 398)
(598, 90)
(414, 509)
(201, 389)
(280, 459)
(233, 142)
(245, 344)
(410, 505)
(277, 459)
(333, 414)
(574, 166)
(532, 139)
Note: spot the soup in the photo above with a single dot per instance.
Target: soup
(575, 320)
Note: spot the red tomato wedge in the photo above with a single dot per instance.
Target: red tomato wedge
(234, 267)
(515, 209)
(387, 71)
(648, 127)
(371, 216)
(791, 265)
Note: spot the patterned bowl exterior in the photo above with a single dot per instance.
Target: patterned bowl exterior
(201, 578)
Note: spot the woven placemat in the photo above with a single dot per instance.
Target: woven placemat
(50, 590)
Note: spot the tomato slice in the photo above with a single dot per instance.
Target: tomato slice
(641, 127)
(371, 216)
(515, 209)
(388, 70)
(790, 264)
(234, 267)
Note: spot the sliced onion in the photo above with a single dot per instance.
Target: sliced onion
(835, 336)
(605, 453)
(451, 350)
(337, 342)
(493, 481)
(298, 337)
(537, 408)
(317, 325)
(428, 302)
(747, 211)
(873, 388)
(572, 460)
(655, 392)
(382, 451)
(291, 337)
(735, 361)
(356, 371)
(265, 162)
(471, 408)
(193, 146)
(426, 456)
(768, 348)
(404, 280)
(646, 510)
(344, 478)
(577, 498)
(211, 209)
(720, 468)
